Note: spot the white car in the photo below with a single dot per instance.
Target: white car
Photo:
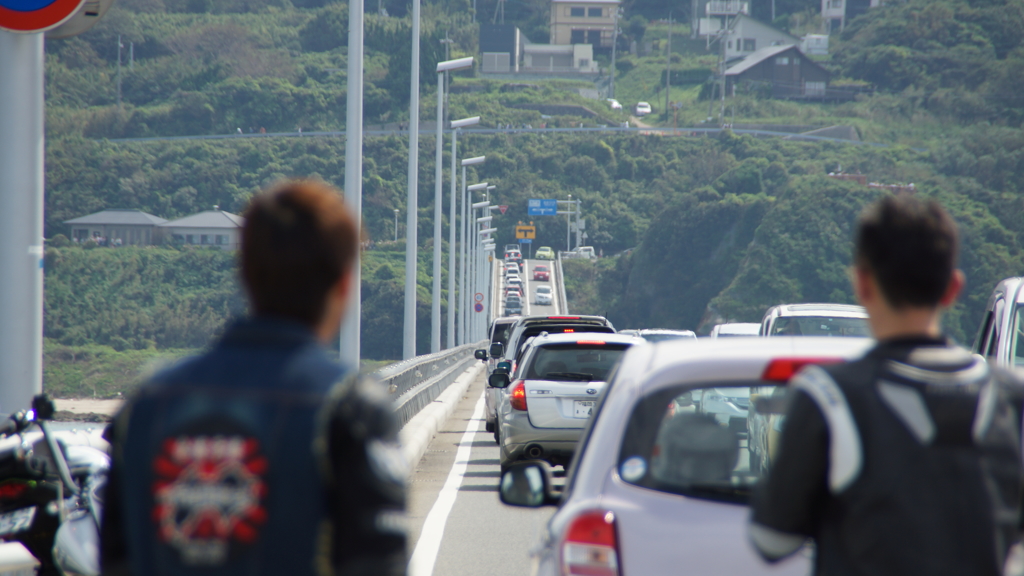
(613, 104)
(657, 487)
(816, 320)
(542, 296)
(732, 329)
(642, 109)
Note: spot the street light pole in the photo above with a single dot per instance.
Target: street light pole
(452, 300)
(350, 331)
(396, 224)
(615, 42)
(464, 277)
(412, 202)
(435, 309)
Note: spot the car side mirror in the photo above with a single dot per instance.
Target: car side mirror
(497, 349)
(480, 354)
(503, 367)
(498, 380)
(527, 484)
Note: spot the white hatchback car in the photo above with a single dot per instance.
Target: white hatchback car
(642, 109)
(542, 296)
(816, 320)
(656, 487)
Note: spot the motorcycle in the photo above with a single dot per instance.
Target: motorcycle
(51, 487)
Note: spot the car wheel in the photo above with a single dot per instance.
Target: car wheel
(489, 426)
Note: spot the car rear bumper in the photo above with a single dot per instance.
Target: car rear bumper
(518, 435)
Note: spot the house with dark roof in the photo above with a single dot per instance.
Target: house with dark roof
(116, 226)
(784, 71)
(210, 228)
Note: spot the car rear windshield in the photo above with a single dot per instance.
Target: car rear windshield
(544, 289)
(821, 326)
(713, 441)
(573, 362)
(540, 269)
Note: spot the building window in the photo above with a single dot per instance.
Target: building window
(782, 61)
(749, 44)
(835, 3)
(222, 239)
(578, 37)
(584, 62)
(730, 44)
(578, 12)
(594, 12)
(594, 37)
(190, 238)
(814, 88)
(179, 238)
(204, 239)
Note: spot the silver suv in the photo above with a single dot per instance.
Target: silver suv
(551, 394)
(1001, 334)
(657, 486)
(816, 320)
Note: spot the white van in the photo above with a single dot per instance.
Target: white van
(1000, 334)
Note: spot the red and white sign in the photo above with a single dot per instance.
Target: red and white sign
(36, 15)
(503, 209)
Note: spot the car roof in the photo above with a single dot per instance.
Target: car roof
(750, 328)
(674, 362)
(665, 331)
(542, 340)
(816, 309)
(533, 320)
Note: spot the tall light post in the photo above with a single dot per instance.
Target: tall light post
(464, 299)
(435, 302)
(452, 300)
(412, 201)
(396, 224)
(350, 347)
(476, 264)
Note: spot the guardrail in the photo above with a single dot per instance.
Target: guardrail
(563, 302)
(413, 384)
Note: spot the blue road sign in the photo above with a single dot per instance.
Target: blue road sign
(538, 207)
(478, 307)
(525, 241)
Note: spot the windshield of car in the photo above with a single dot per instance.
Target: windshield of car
(573, 362)
(704, 441)
(821, 326)
(1017, 342)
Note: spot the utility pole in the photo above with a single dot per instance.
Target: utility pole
(412, 201)
(119, 46)
(615, 43)
(131, 56)
(668, 64)
(725, 34)
(351, 327)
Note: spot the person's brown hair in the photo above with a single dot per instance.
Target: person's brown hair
(910, 245)
(297, 242)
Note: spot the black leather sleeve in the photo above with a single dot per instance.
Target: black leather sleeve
(367, 487)
(790, 497)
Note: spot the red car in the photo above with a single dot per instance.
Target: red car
(541, 272)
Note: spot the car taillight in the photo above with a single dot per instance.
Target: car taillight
(782, 369)
(592, 342)
(591, 547)
(518, 398)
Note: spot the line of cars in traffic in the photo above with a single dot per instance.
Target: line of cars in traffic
(661, 435)
(513, 288)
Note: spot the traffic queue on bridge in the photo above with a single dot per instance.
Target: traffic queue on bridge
(666, 453)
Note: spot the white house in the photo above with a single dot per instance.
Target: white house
(211, 228)
(749, 35)
(836, 13)
(557, 58)
(129, 227)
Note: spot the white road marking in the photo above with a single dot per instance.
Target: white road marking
(424, 556)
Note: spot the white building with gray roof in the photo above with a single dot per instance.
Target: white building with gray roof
(125, 227)
(210, 228)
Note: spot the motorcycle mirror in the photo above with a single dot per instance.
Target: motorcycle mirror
(43, 407)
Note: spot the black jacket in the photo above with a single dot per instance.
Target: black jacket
(258, 457)
(907, 461)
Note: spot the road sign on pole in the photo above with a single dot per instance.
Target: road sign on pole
(526, 232)
(36, 15)
(525, 241)
(478, 307)
(479, 296)
(538, 207)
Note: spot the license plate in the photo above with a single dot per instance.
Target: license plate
(582, 408)
(17, 521)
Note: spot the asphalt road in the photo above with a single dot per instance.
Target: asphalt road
(530, 289)
(457, 524)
